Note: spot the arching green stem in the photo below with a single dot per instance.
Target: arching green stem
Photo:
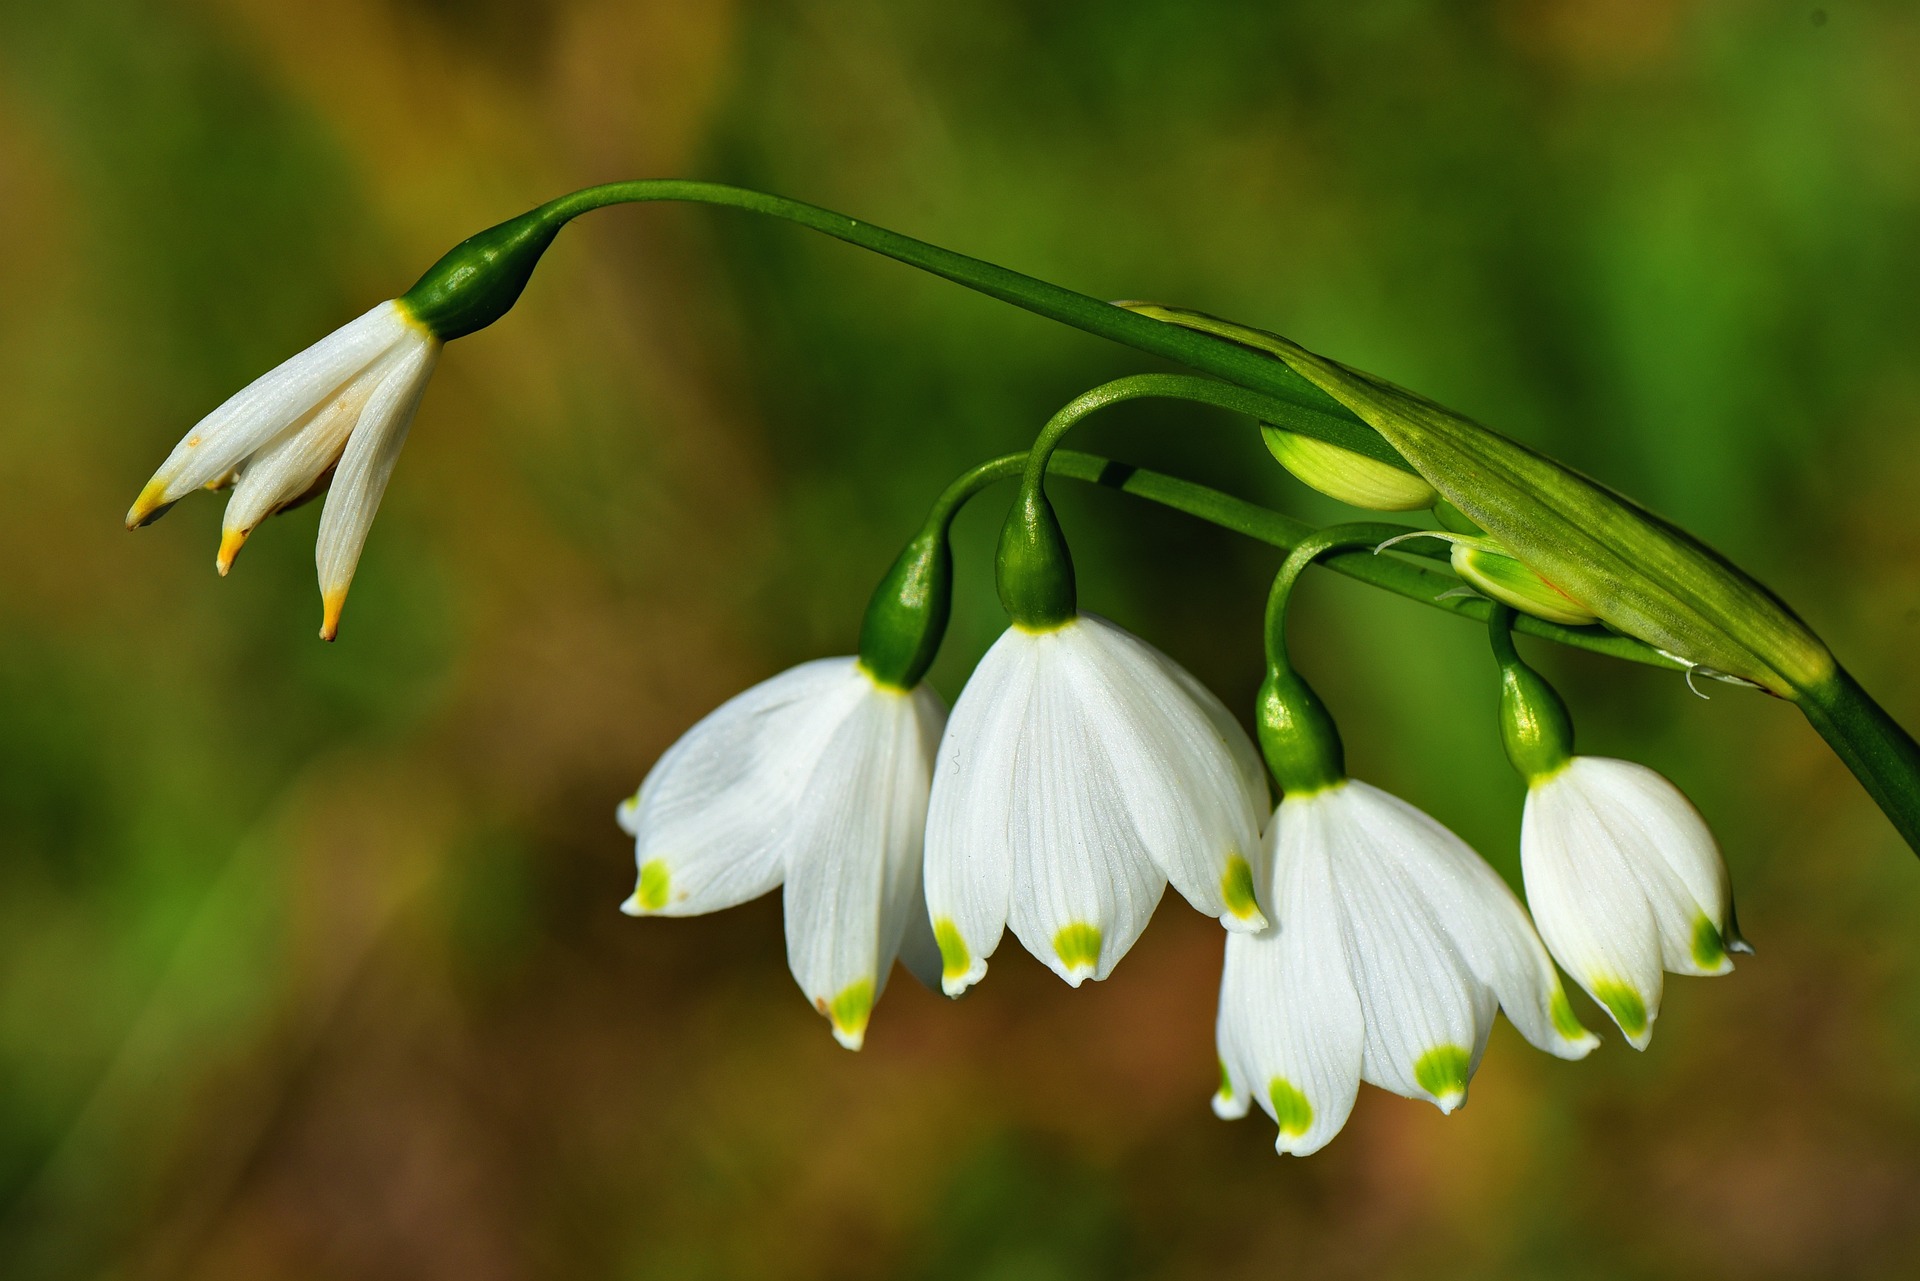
(1297, 734)
(1293, 401)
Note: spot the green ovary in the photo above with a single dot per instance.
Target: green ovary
(1078, 946)
(851, 1009)
(654, 882)
(1709, 952)
(955, 959)
(1443, 1070)
(1237, 887)
(1628, 1008)
(1290, 1107)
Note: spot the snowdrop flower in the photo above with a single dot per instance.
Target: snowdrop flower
(1625, 881)
(1624, 878)
(1081, 772)
(333, 416)
(1395, 944)
(816, 780)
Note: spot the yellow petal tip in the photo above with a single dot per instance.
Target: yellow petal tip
(331, 603)
(231, 541)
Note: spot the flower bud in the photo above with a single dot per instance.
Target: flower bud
(1486, 565)
(1352, 478)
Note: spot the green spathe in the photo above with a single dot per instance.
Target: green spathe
(1635, 571)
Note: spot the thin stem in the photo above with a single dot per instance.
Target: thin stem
(1368, 534)
(1276, 529)
(1293, 402)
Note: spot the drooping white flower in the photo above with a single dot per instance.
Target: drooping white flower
(816, 780)
(1625, 881)
(338, 412)
(1393, 946)
(1081, 772)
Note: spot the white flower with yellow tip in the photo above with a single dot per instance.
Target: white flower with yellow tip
(816, 780)
(1625, 881)
(1394, 946)
(1081, 772)
(334, 416)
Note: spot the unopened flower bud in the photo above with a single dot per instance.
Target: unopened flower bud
(1351, 478)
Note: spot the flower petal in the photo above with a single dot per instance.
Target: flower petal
(361, 478)
(1084, 886)
(1486, 924)
(1187, 775)
(1588, 904)
(1290, 1029)
(1672, 853)
(259, 411)
(969, 859)
(710, 820)
(852, 858)
(1427, 1014)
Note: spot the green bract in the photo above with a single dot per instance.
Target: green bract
(1632, 569)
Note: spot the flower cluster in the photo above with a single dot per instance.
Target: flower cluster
(1082, 771)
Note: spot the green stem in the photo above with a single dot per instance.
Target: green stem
(1293, 402)
(1881, 754)
(1276, 529)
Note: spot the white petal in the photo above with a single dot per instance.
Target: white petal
(1486, 924)
(1427, 1014)
(361, 478)
(1589, 906)
(969, 860)
(919, 950)
(1084, 886)
(709, 821)
(287, 466)
(1186, 773)
(1290, 1030)
(1673, 855)
(852, 858)
(256, 414)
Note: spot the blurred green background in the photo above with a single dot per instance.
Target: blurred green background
(309, 959)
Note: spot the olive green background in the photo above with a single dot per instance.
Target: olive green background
(309, 959)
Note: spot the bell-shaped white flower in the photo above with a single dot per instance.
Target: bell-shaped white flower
(335, 416)
(1393, 946)
(1083, 770)
(816, 780)
(1625, 881)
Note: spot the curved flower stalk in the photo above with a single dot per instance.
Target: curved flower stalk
(1624, 878)
(1393, 944)
(336, 414)
(815, 780)
(1641, 576)
(1082, 771)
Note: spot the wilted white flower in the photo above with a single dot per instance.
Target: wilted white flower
(338, 412)
(1625, 880)
(1082, 771)
(1393, 946)
(816, 779)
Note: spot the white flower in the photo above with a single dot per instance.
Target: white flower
(1625, 880)
(338, 411)
(816, 779)
(1082, 771)
(1395, 944)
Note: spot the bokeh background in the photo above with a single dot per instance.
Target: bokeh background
(309, 959)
